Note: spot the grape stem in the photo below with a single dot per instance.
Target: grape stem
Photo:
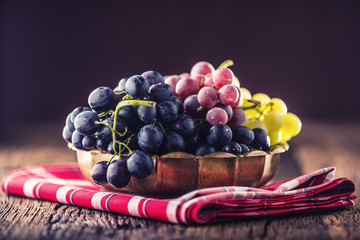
(120, 105)
(255, 102)
(119, 93)
(226, 64)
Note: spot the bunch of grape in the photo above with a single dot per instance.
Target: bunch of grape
(200, 112)
(271, 115)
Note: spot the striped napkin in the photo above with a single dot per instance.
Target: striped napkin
(65, 184)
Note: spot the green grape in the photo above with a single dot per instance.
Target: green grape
(245, 96)
(255, 124)
(284, 138)
(279, 104)
(275, 137)
(262, 97)
(273, 120)
(291, 125)
(252, 113)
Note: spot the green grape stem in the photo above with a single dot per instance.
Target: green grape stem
(119, 93)
(255, 102)
(120, 105)
(226, 64)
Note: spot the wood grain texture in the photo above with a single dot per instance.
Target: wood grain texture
(317, 146)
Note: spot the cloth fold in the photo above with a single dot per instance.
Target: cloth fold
(65, 184)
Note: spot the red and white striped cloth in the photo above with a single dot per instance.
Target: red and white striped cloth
(65, 184)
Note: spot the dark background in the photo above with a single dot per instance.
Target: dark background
(54, 53)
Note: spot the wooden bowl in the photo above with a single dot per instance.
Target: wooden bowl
(178, 172)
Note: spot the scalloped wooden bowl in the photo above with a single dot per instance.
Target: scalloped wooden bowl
(178, 172)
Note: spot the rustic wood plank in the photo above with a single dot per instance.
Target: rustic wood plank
(317, 146)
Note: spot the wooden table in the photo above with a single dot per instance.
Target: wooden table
(319, 145)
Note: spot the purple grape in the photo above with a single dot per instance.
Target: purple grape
(102, 99)
(207, 97)
(192, 107)
(140, 164)
(216, 115)
(98, 173)
(85, 122)
(153, 77)
(117, 174)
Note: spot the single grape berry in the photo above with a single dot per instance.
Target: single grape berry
(207, 97)
(98, 173)
(78, 110)
(238, 118)
(232, 147)
(229, 95)
(167, 111)
(102, 99)
(202, 67)
(140, 164)
(70, 123)
(150, 138)
(85, 122)
(204, 149)
(89, 142)
(102, 144)
(129, 115)
(219, 135)
(137, 86)
(172, 142)
(242, 134)
(222, 77)
(117, 173)
(160, 92)
(244, 148)
(153, 77)
(186, 87)
(147, 114)
(261, 139)
(185, 126)
(216, 115)
(178, 103)
(67, 134)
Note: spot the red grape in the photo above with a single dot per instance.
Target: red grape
(222, 77)
(228, 95)
(172, 81)
(186, 87)
(238, 118)
(202, 68)
(209, 82)
(240, 99)
(207, 97)
(184, 75)
(199, 78)
(216, 115)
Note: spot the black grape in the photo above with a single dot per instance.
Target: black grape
(242, 134)
(160, 92)
(204, 149)
(98, 173)
(102, 99)
(117, 173)
(167, 111)
(261, 139)
(153, 77)
(172, 142)
(232, 147)
(137, 86)
(185, 126)
(150, 138)
(140, 164)
(219, 135)
(85, 122)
